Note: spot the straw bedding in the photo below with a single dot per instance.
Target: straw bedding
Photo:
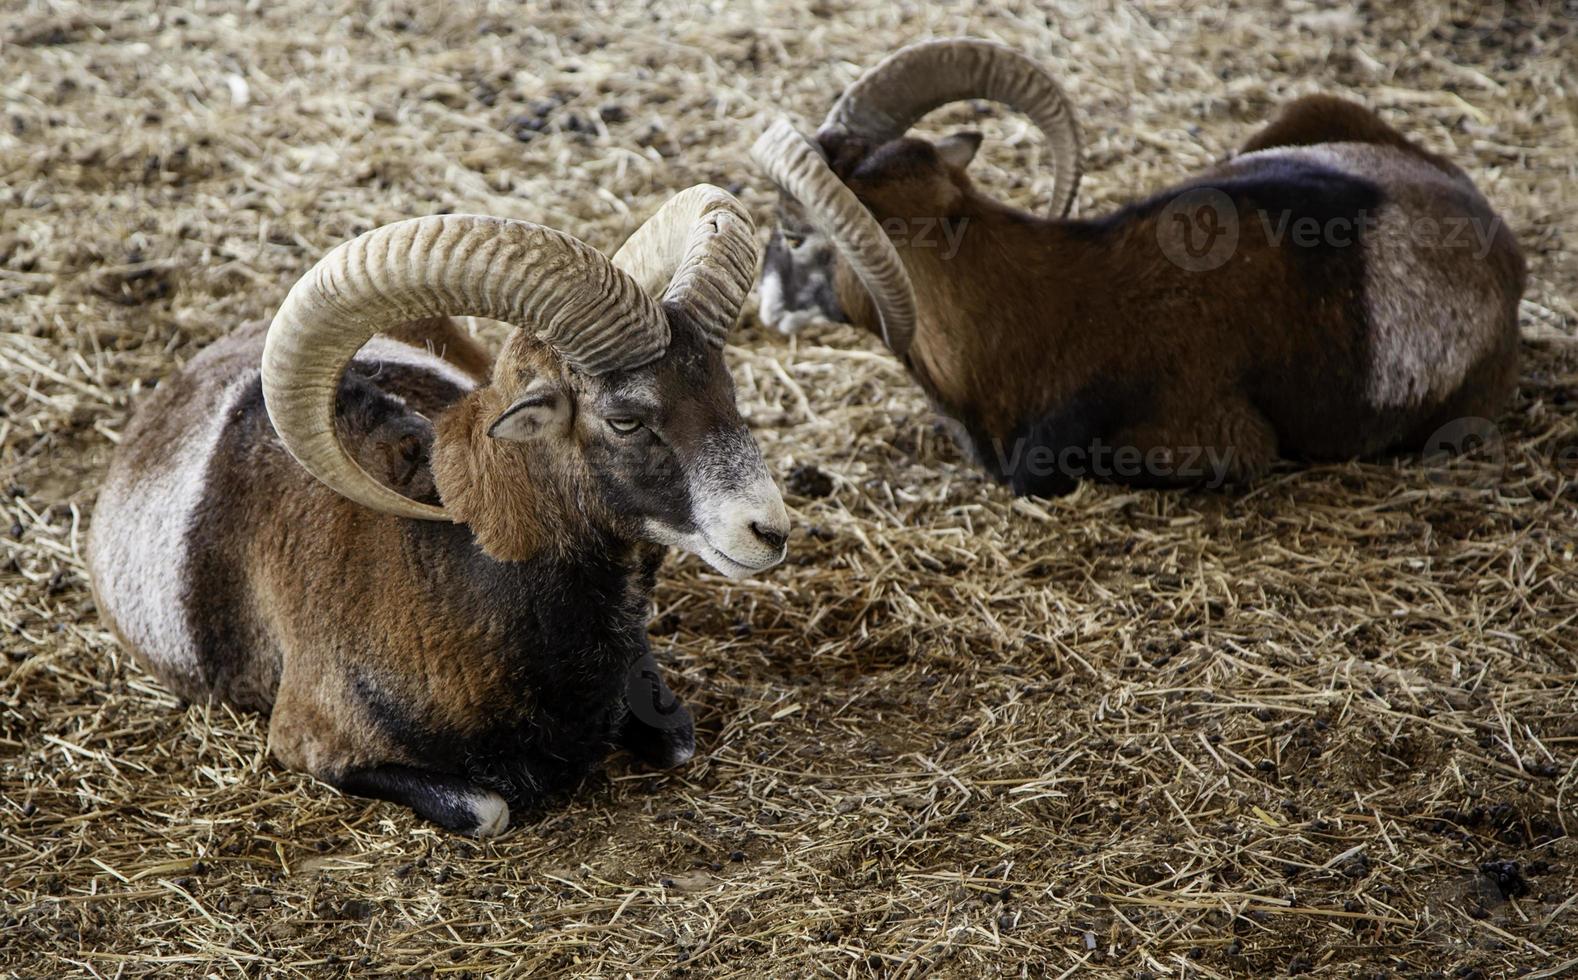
(1327, 727)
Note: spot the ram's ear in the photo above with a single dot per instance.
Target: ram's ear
(543, 410)
(959, 149)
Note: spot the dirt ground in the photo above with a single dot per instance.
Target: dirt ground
(1327, 727)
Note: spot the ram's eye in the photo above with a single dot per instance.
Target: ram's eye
(794, 241)
(624, 426)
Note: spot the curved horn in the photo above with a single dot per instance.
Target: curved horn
(697, 252)
(890, 98)
(798, 168)
(592, 314)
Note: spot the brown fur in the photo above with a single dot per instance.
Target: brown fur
(289, 608)
(520, 500)
(319, 724)
(453, 667)
(303, 595)
(1315, 119)
(447, 340)
(1031, 313)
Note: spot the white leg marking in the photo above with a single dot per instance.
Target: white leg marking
(493, 814)
(771, 310)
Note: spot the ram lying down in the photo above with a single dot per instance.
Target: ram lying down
(1332, 291)
(436, 580)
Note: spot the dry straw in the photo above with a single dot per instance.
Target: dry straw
(1328, 726)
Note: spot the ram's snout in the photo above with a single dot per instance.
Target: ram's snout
(745, 525)
(742, 524)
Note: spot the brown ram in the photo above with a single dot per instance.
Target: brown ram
(444, 604)
(1332, 291)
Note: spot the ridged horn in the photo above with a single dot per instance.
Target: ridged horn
(562, 290)
(698, 252)
(799, 170)
(891, 97)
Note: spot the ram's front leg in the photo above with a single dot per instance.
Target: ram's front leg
(1228, 444)
(311, 731)
(452, 802)
(658, 729)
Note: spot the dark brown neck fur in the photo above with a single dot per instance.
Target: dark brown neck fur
(965, 334)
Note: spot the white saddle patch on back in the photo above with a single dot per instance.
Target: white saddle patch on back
(141, 531)
(1430, 320)
(1433, 303)
(391, 351)
(140, 546)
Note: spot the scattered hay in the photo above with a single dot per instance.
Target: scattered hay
(1324, 727)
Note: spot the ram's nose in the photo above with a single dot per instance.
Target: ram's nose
(773, 537)
(768, 525)
(757, 530)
